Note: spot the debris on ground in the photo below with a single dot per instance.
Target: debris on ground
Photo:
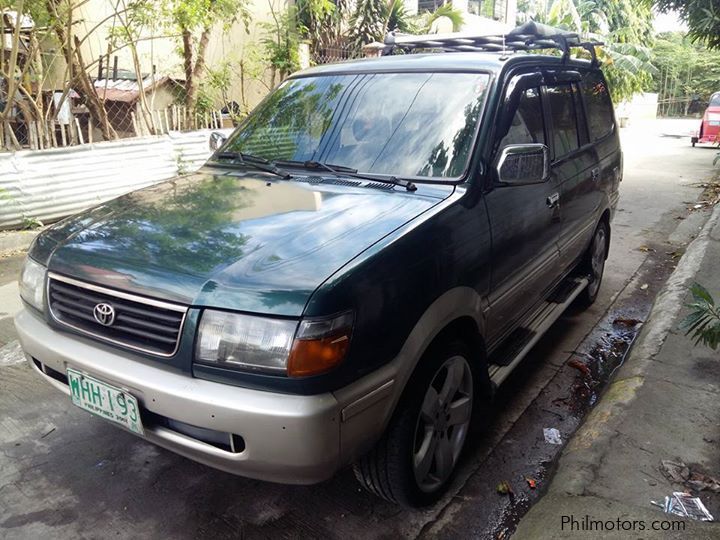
(504, 488)
(630, 323)
(646, 249)
(685, 505)
(680, 473)
(583, 368)
(552, 436)
(674, 471)
(531, 482)
(710, 195)
(644, 286)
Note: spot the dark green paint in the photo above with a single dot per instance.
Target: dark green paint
(230, 240)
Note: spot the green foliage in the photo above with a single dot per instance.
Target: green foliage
(703, 322)
(280, 41)
(685, 70)
(628, 69)
(701, 16)
(368, 22)
(424, 22)
(624, 26)
(373, 19)
(198, 15)
(319, 22)
(399, 19)
(29, 223)
(205, 103)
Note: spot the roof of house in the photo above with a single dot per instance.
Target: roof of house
(127, 90)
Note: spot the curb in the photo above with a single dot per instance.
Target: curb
(16, 240)
(579, 460)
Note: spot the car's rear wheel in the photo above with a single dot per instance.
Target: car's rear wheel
(414, 461)
(594, 263)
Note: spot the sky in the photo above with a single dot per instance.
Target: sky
(668, 22)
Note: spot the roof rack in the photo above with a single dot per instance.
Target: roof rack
(531, 36)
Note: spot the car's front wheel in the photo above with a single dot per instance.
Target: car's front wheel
(415, 459)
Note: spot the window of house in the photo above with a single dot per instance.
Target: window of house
(492, 9)
(600, 116)
(429, 5)
(564, 119)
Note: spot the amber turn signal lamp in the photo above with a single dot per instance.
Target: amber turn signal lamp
(320, 345)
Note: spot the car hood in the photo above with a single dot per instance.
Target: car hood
(228, 239)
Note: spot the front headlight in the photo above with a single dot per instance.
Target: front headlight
(278, 346)
(32, 283)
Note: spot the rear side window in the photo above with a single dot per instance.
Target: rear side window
(564, 119)
(527, 126)
(598, 105)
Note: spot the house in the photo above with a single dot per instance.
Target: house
(136, 107)
(233, 44)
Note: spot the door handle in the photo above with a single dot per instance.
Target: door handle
(595, 174)
(553, 200)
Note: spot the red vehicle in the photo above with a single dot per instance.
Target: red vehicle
(710, 126)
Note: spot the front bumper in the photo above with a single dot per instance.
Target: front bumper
(287, 438)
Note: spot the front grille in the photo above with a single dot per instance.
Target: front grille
(139, 323)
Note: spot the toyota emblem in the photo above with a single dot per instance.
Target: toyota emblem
(104, 314)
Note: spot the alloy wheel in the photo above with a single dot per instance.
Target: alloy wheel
(597, 260)
(442, 424)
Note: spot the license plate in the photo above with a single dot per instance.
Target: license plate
(104, 400)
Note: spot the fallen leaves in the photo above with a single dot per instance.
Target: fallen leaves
(629, 323)
(531, 482)
(583, 368)
(680, 473)
(504, 488)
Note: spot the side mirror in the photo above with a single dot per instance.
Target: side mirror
(520, 164)
(217, 139)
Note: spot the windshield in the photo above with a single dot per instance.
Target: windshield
(400, 124)
(715, 100)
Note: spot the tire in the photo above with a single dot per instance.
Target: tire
(593, 264)
(414, 461)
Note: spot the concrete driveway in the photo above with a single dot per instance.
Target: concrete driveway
(66, 474)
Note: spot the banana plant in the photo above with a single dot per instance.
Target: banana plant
(627, 65)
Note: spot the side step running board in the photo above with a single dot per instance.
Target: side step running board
(544, 318)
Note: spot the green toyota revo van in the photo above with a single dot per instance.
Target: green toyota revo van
(348, 278)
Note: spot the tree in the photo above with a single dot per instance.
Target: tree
(62, 16)
(626, 29)
(194, 21)
(320, 22)
(280, 43)
(687, 73)
(701, 16)
(372, 19)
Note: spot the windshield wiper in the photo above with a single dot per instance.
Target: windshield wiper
(255, 162)
(342, 170)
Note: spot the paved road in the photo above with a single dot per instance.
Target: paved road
(65, 474)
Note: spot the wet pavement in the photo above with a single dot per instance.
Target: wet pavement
(66, 474)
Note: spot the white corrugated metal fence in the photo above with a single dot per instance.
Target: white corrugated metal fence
(50, 184)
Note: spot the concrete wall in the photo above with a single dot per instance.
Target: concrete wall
(231, 45)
